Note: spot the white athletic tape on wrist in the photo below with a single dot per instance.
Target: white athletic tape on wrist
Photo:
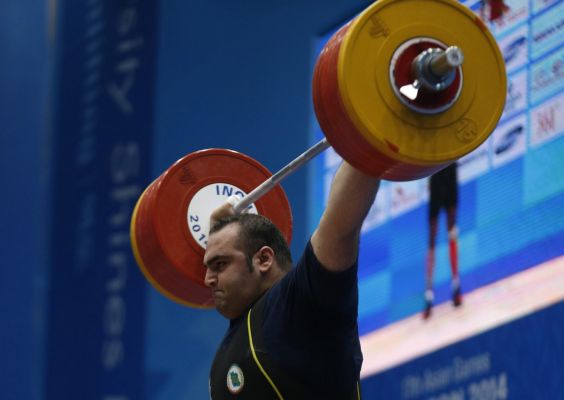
(233, 200)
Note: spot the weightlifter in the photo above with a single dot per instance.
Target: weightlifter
(293, 330)
(443, 192)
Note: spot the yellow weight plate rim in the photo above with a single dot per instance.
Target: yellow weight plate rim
(143, 267)
(365, 88)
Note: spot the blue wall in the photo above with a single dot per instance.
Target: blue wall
(23, 90)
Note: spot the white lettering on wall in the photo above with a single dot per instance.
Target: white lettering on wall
(124, 174)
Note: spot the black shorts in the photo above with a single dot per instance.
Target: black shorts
(443, 190)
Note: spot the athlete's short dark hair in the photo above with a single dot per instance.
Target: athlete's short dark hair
(258, 231)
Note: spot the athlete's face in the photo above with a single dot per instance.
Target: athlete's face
(234, 284)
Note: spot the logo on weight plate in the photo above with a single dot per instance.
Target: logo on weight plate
(378, 28)
(466, 130)
(207, 199)
(235, 379)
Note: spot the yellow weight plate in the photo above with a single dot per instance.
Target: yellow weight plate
(367, 94)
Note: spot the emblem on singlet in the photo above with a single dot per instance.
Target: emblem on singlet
(235, 379)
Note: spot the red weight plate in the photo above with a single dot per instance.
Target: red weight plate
(170, 222)
(159, 272)
(332, 116)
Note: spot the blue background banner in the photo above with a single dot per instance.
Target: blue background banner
(102, 134)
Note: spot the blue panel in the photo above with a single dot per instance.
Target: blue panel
(374, 293)
(498, 364)
(494, 204)
(546, 78)
(102, 139)
(547, 29)
(404, 284)
(544, 173)
(467, 220)
(23, 97)
(368, 324)
(378, 258)
(404, 240)
(408, 305)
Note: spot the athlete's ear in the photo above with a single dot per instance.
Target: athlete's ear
(264, 259)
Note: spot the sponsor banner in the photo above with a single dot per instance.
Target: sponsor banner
(394, 199)
(516, 99)
(101, 143)
(547, 76)
(540, 5)
(547, 31)
(547, 121)
(509, 141)
(474, 164)
(514, 48)
(517, 13)
(405, 196)
(499, 364)
(531, 118)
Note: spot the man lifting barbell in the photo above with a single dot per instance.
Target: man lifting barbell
(293, 331)
(393, 100)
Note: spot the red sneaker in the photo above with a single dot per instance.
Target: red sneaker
(457, 297)
(429, 297)
(427, 310)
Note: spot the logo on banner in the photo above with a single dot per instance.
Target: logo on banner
(405, 197)
(547, 121)
(475, 164)
(514, 49)
(547, 76)
(509, 141)
(547, 31)
(516, 99)
(539, 5)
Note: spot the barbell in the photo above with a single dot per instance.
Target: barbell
(400, 92)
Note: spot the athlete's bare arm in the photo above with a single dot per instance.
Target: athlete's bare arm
(335, 241)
